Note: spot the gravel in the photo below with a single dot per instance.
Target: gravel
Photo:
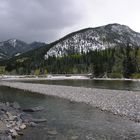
(13, 120)
(125, 103)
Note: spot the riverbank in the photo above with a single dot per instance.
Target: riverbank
(12, 121)
(126, 103)
(60, 77)
(49, 77)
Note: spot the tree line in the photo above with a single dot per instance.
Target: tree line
(117, 62)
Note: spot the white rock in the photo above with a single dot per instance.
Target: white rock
(23, 126)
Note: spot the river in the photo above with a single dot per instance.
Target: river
(102, 84)
(70, 120)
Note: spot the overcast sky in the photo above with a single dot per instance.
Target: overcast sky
(48, 20)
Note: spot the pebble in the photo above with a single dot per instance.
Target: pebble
(39, 120)
(7, 103)
(20, 133)
(17, 128)
(13, 133)
(32, 124)
(34, 109)
(16, 105)
(74, 137)
(23, 126)
(2, 126)
(52, 132)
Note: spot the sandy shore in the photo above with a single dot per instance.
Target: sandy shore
(125, 103)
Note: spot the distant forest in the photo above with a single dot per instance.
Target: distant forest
(117, 62)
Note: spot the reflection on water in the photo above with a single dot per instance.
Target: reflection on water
(71, 120)
(104, 84)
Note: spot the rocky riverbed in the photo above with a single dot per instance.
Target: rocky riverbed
(125, 103)
(13, 120)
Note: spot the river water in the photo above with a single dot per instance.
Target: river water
(71, 121)
(102, 84)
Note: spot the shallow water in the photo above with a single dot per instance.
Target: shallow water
(71, 120)
(103, 84)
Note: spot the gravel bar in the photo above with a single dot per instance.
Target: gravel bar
(125, 103)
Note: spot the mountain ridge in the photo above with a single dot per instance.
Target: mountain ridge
(95, 38)
(15, 47)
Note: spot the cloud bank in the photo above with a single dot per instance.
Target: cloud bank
(48, 20)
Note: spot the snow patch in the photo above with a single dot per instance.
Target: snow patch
(17, 54)
(13, 42)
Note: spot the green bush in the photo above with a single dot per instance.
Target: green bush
(46, 72)
(37, 72)
(115, 75)
(2, 70)
(135, 76)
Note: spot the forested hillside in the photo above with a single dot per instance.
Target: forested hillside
(112, 62)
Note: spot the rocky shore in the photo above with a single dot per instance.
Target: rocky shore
(13, 120)
(125, 103)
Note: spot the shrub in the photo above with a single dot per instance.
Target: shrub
(115, 75)
(37, 72)
(135, 76)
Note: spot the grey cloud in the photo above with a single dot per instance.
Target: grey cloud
(48, 20)
(40, 20)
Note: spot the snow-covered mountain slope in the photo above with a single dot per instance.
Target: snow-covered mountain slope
(94, 38)
(14, 47)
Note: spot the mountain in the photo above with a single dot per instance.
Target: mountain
(108, 51)
(14, 47)
(89, 39)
